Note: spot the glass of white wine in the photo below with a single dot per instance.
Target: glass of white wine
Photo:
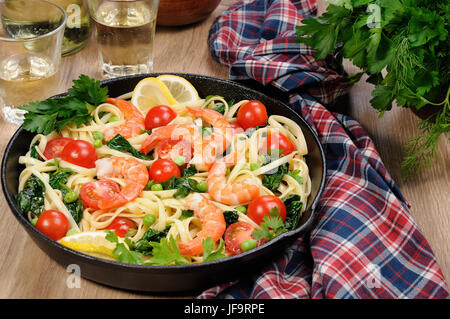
(125, 33)
(31, 36)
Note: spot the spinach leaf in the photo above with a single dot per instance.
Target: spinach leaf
(58, 180)
(272, 180)
(293, 211)
(186, 213)
(231, 217)
(189, 171)
(31, 198)
(143, 245)
(120, 143)
(183, 185)
(33, 152)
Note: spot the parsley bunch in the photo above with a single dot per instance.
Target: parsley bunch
(56, 113)
(408, 41)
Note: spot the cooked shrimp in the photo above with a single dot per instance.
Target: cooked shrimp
(173, 131)
(213, 224)
(134, 120)
(229, 193)
(205, 149)
(131, 170)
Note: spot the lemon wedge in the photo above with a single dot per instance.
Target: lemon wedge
(180, 88)
(150, 92)
(91, 243)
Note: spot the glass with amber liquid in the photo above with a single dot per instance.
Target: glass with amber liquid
(125, 32)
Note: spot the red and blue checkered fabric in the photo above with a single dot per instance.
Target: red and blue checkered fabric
(365, 243)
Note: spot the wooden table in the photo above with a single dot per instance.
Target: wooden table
(26, 272)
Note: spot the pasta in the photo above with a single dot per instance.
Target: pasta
(167, 209)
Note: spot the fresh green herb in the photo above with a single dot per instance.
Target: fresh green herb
(272, 180)
(209, 254)
(294, 174)
(34, 220)
(293, 211)
(89, 90)
(143, 244)
(186, 213)
(271, 227)
(189, 171)
(56, 113)
(183, 185)
(120, 143)
(58, 180)
(131, 232)
(406, 39)
(149, 185)
(123, 254)
(33, 152)
(146, 131)
(31, 198)
(231, 217)
(166, 252)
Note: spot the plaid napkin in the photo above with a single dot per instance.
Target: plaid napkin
(365, 243)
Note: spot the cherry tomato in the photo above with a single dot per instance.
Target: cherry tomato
(263, 205)
(235, 234)
(277, 141)
(55, 146)
(53, 224)
(236, 128)
(121, 226)
(91, 192)
(159, 116)
(170, 149)
(252, 114)
(80, 153)
(162, 170)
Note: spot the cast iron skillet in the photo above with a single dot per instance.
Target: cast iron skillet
(173, 279)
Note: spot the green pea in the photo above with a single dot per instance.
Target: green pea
(248, 244)
(34, 221)
(71, 231)
(70, 197)
(97, 136)
(254, 166)
(179, 160)
(149, 220)
(98, 143)
(113, 119)
(242, 209)
(202, 186)
(156, 187)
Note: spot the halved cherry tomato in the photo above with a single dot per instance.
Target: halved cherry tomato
(236, 233)
(170, 149)
(263, 205)
(55, 146)
(162, 170)
(53, 224)
(91, 192)
(80, 153)
(121, 226)
(252, 114)
(277, 141)
(159, 115)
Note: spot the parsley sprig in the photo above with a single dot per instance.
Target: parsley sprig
(56, 113)
(271, 227)
(403, 47)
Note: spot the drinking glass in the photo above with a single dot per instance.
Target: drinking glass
(125, 32)
(31, 35)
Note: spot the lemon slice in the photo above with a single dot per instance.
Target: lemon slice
(92, 243)
(150, 92)
(180, 88)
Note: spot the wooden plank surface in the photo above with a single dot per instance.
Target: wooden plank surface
(26, 272)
